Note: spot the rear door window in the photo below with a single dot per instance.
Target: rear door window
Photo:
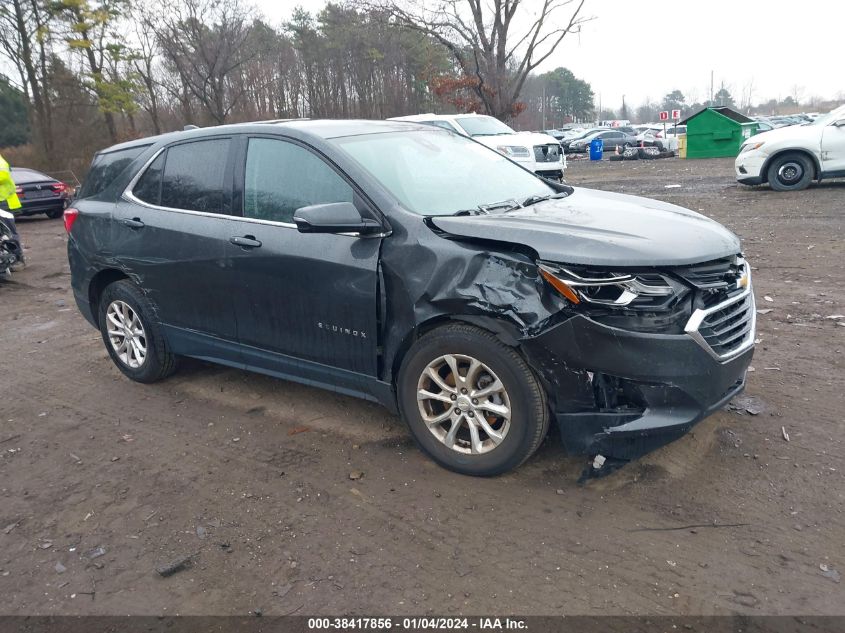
(148, 187)
(194, 177)
(281, 177)
(106, 168)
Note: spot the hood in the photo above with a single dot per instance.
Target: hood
(522, 139)
(591, 227)
(788, 133)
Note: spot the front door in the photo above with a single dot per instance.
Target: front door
(833, 149)
(172, 231)
(305, 303)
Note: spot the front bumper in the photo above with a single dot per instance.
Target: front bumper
(749, 167)
(546, 170)
(621, 393)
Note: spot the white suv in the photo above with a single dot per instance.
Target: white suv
(789, 158)
(540, 153)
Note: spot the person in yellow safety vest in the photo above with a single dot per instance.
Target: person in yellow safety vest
(8, 191)
(8, 194)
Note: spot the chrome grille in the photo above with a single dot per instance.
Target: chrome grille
(726, 330)
(547, 153)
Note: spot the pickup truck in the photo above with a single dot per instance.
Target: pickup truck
(790, 158)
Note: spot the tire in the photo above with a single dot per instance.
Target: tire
(521, 396)
(125, 299)
(55, 213)
(790, 172)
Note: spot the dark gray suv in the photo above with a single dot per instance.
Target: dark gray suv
(419, 269)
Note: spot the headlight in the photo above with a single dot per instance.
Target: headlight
(513, 151)
(611, 289)
(748, 147)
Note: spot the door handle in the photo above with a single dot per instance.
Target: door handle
(134, 223)
(246, 241)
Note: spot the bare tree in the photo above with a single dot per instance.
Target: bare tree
(206, 41)
(495, 43)
(142, 61)
(24, 40)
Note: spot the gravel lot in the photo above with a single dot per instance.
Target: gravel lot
(251, 475)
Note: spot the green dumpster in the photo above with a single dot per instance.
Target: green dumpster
(717, 132)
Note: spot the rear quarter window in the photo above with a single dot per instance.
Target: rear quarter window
(106, 168)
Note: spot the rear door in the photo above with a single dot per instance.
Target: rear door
(171, 234)
(305, 303)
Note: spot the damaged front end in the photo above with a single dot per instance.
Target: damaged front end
(656, 351)
(630, 358)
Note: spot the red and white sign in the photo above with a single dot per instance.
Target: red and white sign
(676, 115)
(664, 116)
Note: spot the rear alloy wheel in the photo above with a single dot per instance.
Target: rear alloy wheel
(790, 172)
(133, 338)
(471, 402)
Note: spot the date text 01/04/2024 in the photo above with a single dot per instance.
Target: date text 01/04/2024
(417, 623)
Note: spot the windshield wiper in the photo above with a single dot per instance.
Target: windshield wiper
(538, 198)
(507, 205)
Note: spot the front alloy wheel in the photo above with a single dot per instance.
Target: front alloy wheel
(471, 401)
(464, 404)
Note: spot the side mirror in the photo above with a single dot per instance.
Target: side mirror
(335, 217)
(839, 123)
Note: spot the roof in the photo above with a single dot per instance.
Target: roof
(323, 128)
(725, 111)
(430, 116)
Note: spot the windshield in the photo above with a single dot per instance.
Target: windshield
(483, 126)
(831, 116)
(437, 173)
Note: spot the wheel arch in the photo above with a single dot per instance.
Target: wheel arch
(98, 284)
(817, 168)
(504, 330)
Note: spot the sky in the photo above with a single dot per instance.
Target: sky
(643, 49)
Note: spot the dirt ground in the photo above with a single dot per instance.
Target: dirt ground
(251, 475)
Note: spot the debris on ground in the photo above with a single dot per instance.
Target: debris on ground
(175, 566)
(830, 572)
(743, 404)
(8, 529)
(784, 433)
(355, 475)
(60, 569)
(96, 552)
(599, 461)
(768, 298)
(765, 310)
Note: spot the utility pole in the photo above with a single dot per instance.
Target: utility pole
(711, 87)
(543, 126)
